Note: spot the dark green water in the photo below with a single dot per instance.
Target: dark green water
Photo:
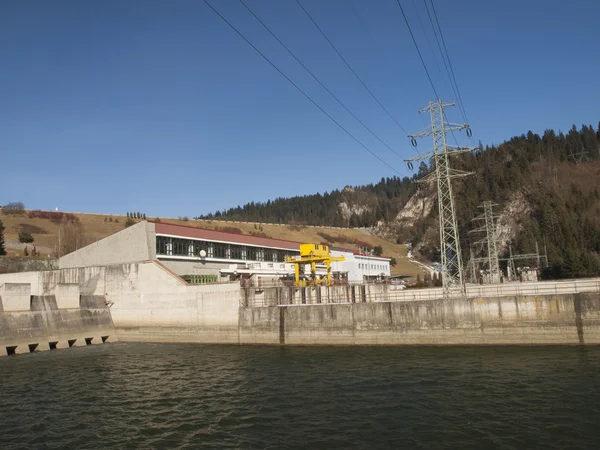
(192, 396)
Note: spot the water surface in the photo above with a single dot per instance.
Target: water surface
(196, 396)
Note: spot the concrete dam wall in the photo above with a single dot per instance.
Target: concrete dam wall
(140, 302)
(527, 320)
(146, 302)
(30, 323)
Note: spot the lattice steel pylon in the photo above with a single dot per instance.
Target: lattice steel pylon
(452, 266)
(491, 237)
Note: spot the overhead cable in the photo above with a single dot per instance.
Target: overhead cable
(298, 88)
(444, 56)
(423, 62)
(349, 66)
(385, 55)
(449, 62)
(318, 80)
(435, 59)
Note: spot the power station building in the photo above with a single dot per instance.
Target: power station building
(204, 255)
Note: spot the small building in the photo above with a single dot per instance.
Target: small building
(205, 255)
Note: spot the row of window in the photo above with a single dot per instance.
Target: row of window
(372, 266)
(187, 247)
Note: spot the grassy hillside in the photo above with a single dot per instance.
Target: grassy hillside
(96, 226)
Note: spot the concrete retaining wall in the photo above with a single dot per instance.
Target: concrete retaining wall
(562, 319)
(148, 302)
(128, 245)
(45, 326)
(153, 305)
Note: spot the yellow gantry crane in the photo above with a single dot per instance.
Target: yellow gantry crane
(313, 254)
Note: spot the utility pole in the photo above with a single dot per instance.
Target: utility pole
(473, 270)
(452, 267)
(491, 237)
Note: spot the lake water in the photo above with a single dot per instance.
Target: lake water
(197, 396)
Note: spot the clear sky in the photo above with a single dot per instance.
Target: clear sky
(159, 107)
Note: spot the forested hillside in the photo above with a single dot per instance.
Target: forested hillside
(351, 207)
(547, 189)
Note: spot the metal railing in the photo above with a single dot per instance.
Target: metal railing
(360, 293)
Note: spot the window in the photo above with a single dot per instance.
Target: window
(251, 253)
(235, 252)
(281, 254)
(219, 250)
(180, 247)
(164, 245)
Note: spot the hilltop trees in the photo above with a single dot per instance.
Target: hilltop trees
(136, 215)
(14, 209)
(382, 200)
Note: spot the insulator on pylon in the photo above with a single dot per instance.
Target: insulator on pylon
(410, 165)
(413, 142)
(469, 132)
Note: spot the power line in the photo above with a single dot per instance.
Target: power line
(385, 55)
(298, 88)
(427, 38)
(422, 62)
(418, 51)
(442, 55)
(317, 79)
(349, 66)
(449, 62)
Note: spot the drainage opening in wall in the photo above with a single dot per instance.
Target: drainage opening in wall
(52, 345)
(11, 350)
(88, 341)
(32, 347)
(104, 338)
(71, 342)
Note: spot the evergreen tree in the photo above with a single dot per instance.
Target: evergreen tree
(2, 248)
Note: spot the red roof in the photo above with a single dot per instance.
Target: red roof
(223, 236)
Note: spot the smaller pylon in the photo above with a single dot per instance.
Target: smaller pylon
(490, 239)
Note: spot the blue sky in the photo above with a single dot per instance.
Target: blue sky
(160, 107)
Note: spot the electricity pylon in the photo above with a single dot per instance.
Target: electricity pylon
(452, 267)
(491, 237)
(578, 157)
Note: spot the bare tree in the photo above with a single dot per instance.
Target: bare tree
(14, 209)
(71, 237)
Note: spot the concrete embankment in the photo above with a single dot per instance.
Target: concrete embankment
(527, 320)
(149, 303)
(61, 319)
